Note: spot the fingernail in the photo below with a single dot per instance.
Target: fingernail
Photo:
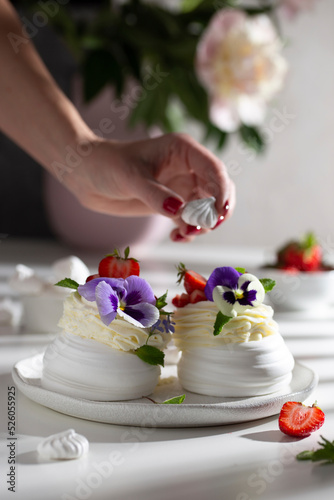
(192, 229)
(226, 208)
(172, 205)
(220, 220)
(178, 237)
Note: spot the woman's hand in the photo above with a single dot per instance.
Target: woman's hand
(151, 176)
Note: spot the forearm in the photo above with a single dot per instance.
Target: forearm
(33, 110)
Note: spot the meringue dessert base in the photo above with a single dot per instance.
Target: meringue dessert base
(87, 369)
(244, 369)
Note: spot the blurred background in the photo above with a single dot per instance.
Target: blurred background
(282, 168)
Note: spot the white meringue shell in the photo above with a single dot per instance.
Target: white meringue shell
(201, 212)
(66, 445)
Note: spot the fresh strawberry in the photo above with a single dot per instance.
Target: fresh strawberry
(92, 277)
(197, 296)
(181, 300)
(304, 255)
(191, 280)
(115, 266)
(298, 420)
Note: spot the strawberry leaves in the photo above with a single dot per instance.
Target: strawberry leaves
(323, 454)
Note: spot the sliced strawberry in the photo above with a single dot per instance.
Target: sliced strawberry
(191, 280)
(92, 277)
(115, 266)
(197, 296)
(296, 419)
(181, 300)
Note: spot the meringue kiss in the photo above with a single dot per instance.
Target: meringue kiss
(201, 212)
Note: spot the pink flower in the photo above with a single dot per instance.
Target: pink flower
(290, 8)
(239, 63)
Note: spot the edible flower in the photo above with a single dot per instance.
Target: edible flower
(234, 291)
(131, 298)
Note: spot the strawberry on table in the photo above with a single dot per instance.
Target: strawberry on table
(116, 266)
(299, 420)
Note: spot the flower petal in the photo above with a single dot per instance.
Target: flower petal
(222, 276)
(138, 291)
(223, 305)
(253, 285)
(106, 301)
(142, 315)
(88, 289)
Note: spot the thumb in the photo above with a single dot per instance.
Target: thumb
(158, 197)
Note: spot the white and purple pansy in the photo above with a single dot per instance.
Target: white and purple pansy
(233, 292)
(131, 298)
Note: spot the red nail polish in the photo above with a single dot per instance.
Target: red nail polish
(172, 205)
(192, 229)
(178, 237)
(226, 208)
(220, 220)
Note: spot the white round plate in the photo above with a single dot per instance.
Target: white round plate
(195, 411)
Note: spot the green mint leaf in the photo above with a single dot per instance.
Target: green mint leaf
(323, 454)
(68, 283)
(241, 270)
(161, 301)
(151, 355)
(177, 400)
(267, 284)
(221, 320)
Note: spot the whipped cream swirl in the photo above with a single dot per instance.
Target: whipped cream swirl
(82, 318)
(201, 212)
(66, 445)
(195, 322)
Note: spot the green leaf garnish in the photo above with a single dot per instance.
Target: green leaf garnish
(161, 301)
(177, 400)
(324, 454)
(151, 355)
(221, 320)
(126, 252)
(267, 284)
(241, 270)
(68, 283)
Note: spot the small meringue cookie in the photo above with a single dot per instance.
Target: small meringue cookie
(66, 445)
(70, 267)
(201, 212)
(25, 281)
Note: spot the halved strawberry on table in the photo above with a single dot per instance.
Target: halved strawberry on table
(116, 266)
(194, 284)
(299, 420)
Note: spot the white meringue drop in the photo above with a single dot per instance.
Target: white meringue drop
(66, 445)
(25, 281)
(201, 212)
(70, 267)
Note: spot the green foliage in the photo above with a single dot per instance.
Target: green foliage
(268, 284)
(151, 355)
(132, 40)
(323, 454)
(68, 283)
(221, 320)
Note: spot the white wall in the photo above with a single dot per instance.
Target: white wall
(290, 189)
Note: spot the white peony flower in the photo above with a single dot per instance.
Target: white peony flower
(240, 64)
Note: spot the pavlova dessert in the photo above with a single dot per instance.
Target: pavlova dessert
(114, 331)
(230, 344)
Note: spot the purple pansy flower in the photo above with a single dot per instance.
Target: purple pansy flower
(233, 292)
(131, 298)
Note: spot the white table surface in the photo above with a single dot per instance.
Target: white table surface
(246, 461)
